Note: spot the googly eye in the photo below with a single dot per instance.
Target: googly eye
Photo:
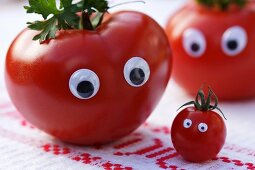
(234, 40)
(136, 71)
(202, 127)
(187, 123)
(84, 84)
(194, 42)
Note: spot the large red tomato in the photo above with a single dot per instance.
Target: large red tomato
(215, 47)
(90, 87)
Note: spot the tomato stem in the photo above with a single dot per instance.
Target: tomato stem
(223, 5)
(204, 104)
(85, 21)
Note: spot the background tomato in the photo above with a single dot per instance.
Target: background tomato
(198, 135)
(47, 85)
(214, 47)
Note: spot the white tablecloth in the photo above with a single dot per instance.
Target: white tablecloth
(23, 146)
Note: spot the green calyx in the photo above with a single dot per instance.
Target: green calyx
(222, 4)
(205, 104)
(84, 14)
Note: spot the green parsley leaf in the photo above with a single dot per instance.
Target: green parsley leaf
(48, 28)
(69, 15)
(65, 3)
(43, 7)
(65, 18)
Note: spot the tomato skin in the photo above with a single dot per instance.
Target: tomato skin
(194, 145)
(229, 76)
(37, 78)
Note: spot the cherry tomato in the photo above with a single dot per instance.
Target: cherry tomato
(198, 134)
(214, 47)
(90, 87)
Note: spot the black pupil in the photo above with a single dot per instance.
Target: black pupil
(203, 128)
(137, 76)
(85, 89)
(188, 123)
(232, 44)
(195, 47)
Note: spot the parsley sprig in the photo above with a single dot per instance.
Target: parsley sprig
(85, 14)
(222, 4)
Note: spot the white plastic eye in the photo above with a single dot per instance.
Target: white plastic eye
(194, 42)
(84, 84)
(234, 40)
(187, 123)
(136, 71)
(202, 127)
